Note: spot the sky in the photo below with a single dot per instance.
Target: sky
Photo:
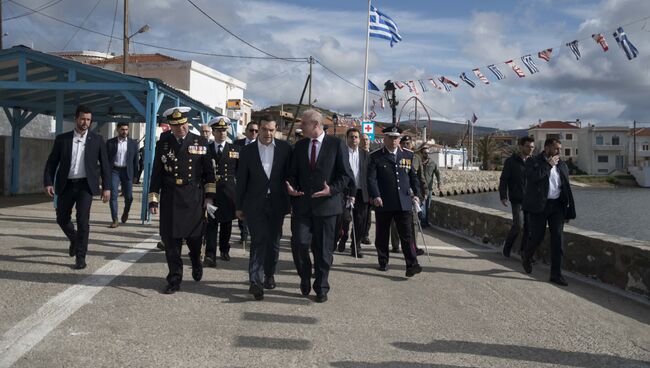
(440, 38)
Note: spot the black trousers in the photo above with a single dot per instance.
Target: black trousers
(404, 223)
(243, 229)
(519, 226)
(76, 193)
(360, 216)
(366, 231)
(265, 228)
(211, 237)
(173, 254)
(316, 232)
(553, 214)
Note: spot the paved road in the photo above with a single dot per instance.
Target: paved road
(470, 308)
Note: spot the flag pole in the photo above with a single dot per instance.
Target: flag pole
(365, 70)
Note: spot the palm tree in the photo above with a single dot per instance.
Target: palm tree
(487, 150)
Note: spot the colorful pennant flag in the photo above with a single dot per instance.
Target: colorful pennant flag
(530, 64)
(435, 85)
(399, 84)
(515, 68)
(372, 86)
(600, 39)
(412, 88)
(447, 80)
(545, 54)
(442, 80)
(424, 87)
(621, 38)
(474, 118)
(464, 78)
(480, 76)
(493, 68)
(573, 46)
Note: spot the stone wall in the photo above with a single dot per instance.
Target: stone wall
(33, 155)
(618, 261)
(465, 182)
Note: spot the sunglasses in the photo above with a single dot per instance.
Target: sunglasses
(253, 130)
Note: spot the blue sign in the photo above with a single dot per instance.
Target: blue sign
(368, 127)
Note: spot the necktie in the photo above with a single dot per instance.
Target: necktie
(180, 141)
(312, 161)
(218, 152)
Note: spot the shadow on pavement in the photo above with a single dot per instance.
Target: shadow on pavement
(272, 343)
(392, 364)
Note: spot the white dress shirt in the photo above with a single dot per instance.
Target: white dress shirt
(249, 141)
(77, 162)
(120, 156)
(353, 157)
(216, 146)
(318, 146)
(266, 156)
(554, 188)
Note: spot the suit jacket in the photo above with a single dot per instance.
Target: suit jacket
(393, 179)
(95, 161)
(132, 155)
(537, 184)
(239, 142)
(364, 157)
(332, 166)
(512, 181)
(253, 185)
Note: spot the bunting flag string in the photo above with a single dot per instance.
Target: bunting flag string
(442, 80)
(515, 68)
(399, 84)
(411, 85)
(573, 46)
(424, 87)
(435, 85)
(449, 81)
(408, 85)
(493, 68)
(530, 64)
(545, 54)
(464, 78)
(621, 38)
(600, 39)
(480, 76)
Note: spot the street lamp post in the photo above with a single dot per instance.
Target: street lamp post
(335, 122)
(125, 59)
(389, 94)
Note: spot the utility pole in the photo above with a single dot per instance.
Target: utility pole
(311, 61)
(125, 42)
(1, 33)
(416, 116)
(634, 142)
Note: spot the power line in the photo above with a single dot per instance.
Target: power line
(82, 23)
(110, 40)
(344, 79)
(39, 8)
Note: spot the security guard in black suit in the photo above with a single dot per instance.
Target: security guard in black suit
(182, 184)
(225, 159)
(393, 187)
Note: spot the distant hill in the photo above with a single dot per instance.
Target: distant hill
(448, 133)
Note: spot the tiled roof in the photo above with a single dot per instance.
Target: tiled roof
(136, 58)
(640, 132)
(553, 124)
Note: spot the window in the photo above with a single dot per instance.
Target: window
(556, 136)
(568, 136)
(603, 159)
(645, 147)
(616, 140)
(567, 152)
(599, 140)
(576, 152)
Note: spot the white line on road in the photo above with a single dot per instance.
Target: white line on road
(21, 338)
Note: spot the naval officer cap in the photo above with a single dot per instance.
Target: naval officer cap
(177, 115)
(406, 138)
(219, 123)
(392, 131)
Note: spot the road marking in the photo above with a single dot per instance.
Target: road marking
(21, 338)
(477, 250)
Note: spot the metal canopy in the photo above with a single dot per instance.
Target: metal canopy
(33, 82)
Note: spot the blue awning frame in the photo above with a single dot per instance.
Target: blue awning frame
(33, 83)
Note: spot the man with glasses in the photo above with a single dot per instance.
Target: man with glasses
(251, 133)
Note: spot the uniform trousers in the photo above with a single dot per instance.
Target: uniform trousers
(404, 223)
(173, 254)
(211, 237)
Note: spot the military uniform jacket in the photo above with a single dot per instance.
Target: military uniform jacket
(225, 168)
(181, 178)
(392, 179)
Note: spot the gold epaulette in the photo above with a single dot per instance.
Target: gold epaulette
(153, 198)
(211, 188)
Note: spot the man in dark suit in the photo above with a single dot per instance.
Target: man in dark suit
(262, 200)
(358, 159)
(319, 175)
(73, 174)
(252, 130)
(124, 158)
(182, 184)
(512, 183)
(225, 158)
(393, 187)
(548, 199)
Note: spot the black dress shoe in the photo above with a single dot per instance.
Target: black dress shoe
(225, 256)
(171, 289)
(257, 291)
(125, 217)
(321, 298)
(305, 287)
(506, 250)
(559, 280)
(365, 240)
(341, 246)
(413, 270)
(72, 248)
(358, 254)
(197, 273)
(160, 245)
(419, 251)
(528, 266)
(269, 282)
(394, 250)
(383, 267)
(79, 264)
(209, 261)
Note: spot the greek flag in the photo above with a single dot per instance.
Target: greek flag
(621, 38)
(382, 26)
(530, 64)
(464, 78)
(573, 46)
(493, 68)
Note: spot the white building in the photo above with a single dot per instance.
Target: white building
(450, 158)
(639, 141)
(603, 150)
(566, 132)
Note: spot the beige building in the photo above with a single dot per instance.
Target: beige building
(603, 150)
(642, 140)
(566, 132)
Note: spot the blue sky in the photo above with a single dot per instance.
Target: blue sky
(440, 38)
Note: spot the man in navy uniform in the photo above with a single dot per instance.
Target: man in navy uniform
(225, 157)
(182, 184)
(393, 187)
(124, 158)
